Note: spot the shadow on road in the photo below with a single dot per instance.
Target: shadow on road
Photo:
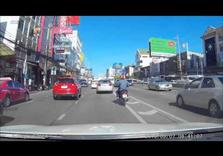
(5, 119)
(193, 109)
(117, 102)
(66, 98)
(19, 102)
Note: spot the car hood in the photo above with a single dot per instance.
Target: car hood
(105, 131)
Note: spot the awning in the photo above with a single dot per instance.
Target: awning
(5, 51)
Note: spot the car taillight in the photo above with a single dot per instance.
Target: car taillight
(99, 84)
(110, 84)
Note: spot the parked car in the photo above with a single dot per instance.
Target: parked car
(12, 91)
(94, 84)
(104, 86)
(66, 86)
(205, 92)
(160, 84)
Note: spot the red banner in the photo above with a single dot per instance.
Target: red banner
(73, 20)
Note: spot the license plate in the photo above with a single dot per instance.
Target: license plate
(63, 86)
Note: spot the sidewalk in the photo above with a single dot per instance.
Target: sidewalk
(37, 91)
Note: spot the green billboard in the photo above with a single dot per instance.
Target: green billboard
(162, 47)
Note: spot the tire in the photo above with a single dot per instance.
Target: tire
(7, 101)
(27, 97)
(180, 101)
(77, 97)
(214, 109)
(55, 97)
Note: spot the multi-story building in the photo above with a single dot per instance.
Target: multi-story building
(20, 30)
(142, 61)
(213, 50)
(8, 31)
(155, 65)
(78, 56)
(191, 64)
(129, 71)
(110, 72)
(143, 58)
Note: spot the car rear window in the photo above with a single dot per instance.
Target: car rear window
(221, 79)
(65, 80)
(104, 81)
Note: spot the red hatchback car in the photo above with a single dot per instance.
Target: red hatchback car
(66, 86)
(12, 91)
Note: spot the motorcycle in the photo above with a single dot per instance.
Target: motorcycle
(123, 96)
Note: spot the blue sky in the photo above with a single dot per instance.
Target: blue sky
(110, 39)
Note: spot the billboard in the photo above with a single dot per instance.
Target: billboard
(117, 65)
(162, 47)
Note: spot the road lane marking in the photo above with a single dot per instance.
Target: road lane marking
(61, 117)
(76, 102)
(136, 115)
(132, 103)
(152, 112)
(160, 110)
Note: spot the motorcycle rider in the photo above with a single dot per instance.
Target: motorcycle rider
(123, 84)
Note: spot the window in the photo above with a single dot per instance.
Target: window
(65, 81)
(195, 83)
(20, 25)
(221, 48)
(208, 83)
(221, 79)
(10, 84)
(17, 85)
(220, 37)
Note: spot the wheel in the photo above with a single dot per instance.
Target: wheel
(214, 109)
(180, 101)
(170, 89)
(55, 97)
(7, 101)
(77, 97)
(27, 97)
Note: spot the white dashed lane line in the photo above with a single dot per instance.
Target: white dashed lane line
(136, 115)
(61, 116)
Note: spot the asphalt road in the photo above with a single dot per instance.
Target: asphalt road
(144, 106)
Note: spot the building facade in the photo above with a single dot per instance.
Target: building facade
(213, 50)
(191, 64)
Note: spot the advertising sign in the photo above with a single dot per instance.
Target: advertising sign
(162, 47)
(117, 65)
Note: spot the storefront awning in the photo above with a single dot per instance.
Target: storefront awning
(5, 51)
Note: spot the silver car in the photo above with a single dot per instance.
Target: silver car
(160, 84)
(205, 92)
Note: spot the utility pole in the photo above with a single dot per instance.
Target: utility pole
(47, 53)
(178, 42)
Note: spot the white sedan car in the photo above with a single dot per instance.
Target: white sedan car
(205, 92)
(104, 86)
(94, 84)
